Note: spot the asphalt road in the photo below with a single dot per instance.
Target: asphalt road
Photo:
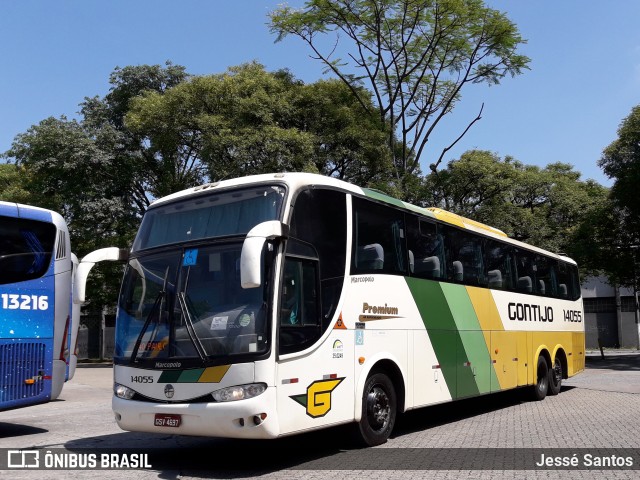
(596, 415)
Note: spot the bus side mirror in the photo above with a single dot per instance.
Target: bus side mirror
(87, 263)
(250, 258)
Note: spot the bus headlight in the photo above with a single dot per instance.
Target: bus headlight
(123, 392)
(239, 392)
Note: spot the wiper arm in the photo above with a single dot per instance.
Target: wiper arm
(190, 328)
(156, 306)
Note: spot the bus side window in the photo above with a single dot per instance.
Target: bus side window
(379, 243)
(568, 280)
(546, 277)
(426, 249)
(498, 264)
(465, 258)
(525, 272)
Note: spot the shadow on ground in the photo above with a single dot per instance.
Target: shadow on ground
(627, 362)
(334, 448)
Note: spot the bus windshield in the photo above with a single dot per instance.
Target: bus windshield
(183, 299)
(188, 303)
(227, 213)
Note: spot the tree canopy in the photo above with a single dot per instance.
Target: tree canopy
(611, 238)
(415, 56)
(540, 206)
(248, 121)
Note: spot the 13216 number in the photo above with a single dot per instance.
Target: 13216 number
(14, 301)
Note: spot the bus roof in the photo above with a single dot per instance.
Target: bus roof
(19, 210)
(297, 180)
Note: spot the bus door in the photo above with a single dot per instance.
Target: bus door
(315, 370)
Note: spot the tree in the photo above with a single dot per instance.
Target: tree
(613, 243)
(620, 161)
(147, 176)
(247, 121)
(94, 171)
(12, 188)
(541, 206)
(415, 55)
(159, 130)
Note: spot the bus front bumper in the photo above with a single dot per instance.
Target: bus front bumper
(251, 418)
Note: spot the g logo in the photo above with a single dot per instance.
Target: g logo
(318, 397)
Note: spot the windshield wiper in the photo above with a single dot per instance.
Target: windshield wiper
(156, 306)
(182, 301)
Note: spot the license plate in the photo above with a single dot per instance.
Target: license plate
(167, 420)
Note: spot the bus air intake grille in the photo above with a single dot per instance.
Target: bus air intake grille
(19, 364)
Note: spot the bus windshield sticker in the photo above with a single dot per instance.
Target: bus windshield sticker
(190, 257)
(219, 323)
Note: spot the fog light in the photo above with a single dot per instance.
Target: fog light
(258, 419)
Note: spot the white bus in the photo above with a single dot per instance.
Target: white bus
(38, 320)
(276, 304)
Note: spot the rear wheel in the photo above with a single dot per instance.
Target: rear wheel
(379, 406)
(555, 377)
(541, 387)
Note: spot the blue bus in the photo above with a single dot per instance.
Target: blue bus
(38, 319)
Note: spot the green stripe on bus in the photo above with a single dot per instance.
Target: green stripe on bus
(478, 372)
(439, 322)
(181, 376)
(191, 376)
(169, 376)
(456, 336)
(398, 203)
(384, 197)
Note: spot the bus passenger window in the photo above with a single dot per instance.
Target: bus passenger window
(499, 265)
(465, 254)
(378, 239)
(426, 249)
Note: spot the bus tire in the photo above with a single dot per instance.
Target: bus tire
(541, 386)
(555, 377)
(379, 408)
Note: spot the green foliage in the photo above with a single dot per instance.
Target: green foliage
(94, 171)
(541, 206)
(613, 234)
(621, 162)
(415, 55)
(247, 121)
(12, 185)
(159, 130)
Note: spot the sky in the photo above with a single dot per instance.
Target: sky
(584, 75)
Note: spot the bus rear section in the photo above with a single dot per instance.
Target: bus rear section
(35, 305)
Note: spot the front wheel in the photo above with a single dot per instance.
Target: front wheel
(555, 377)
(378, 410)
